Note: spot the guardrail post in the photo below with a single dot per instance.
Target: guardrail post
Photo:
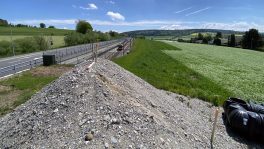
(30, 64)
(15, 68)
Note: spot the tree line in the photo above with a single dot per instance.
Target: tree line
(6, 24)
(84, 34)
(251, 39)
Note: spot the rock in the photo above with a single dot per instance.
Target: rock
(89, 137)
(162, 141)
(115, 121)
(107, 118)
(113, 140)
(106, 145)
(56, 110)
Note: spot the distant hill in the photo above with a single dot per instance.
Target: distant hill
(176, 32)
(30, 31)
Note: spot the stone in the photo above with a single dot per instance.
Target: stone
(115, 121)
(89, 137)
(106, 145)
(113, 140)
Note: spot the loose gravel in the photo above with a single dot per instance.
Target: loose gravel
(109, 107)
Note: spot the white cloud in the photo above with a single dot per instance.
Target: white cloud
(154, 24)
(90, 7)
(111, 2)
(198, 11)
(115, 16)
(238, 26)
(175, 27)
(74, 6)
(183, 10)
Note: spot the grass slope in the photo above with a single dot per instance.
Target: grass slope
(17, 90)
(238, 70)
(24, 31)
(149, 62)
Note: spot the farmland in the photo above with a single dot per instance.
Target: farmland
(22, 32)
(164, 72)
(25, 31)
(57, 40)
(239, 71)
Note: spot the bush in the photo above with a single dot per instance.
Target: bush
(103, 36)
(42, 43)
(5, 48)
(217, 41)
(205, 41)
(42, 25)
(180, 40)
(232, 40)
(252, 39)
(74, 39)
(83, 27)
(26, 45)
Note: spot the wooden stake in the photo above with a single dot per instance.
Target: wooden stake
(97, 46)
(214, 126)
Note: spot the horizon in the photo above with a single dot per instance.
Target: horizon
(120, 16)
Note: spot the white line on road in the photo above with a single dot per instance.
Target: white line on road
(13, 74)
(19, 57)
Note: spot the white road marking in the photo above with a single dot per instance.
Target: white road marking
(13, 74)
(22, 60)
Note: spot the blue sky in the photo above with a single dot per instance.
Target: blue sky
(126, 15)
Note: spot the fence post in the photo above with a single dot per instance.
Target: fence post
(30, 64)
(15, 68)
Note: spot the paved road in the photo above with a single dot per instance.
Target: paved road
(4, 62)
(19, 63)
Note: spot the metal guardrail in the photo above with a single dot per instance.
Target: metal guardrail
(127, 45)
(20, 67)
(61, 54)
(67, 53)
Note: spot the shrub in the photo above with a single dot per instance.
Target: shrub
(42, 25)
(5, 48)
(180, 40)
(232, 40)
(74, 39)
(205, 41)
(252, 39)
(26, 45)
(103, 36)
(42, 43)
(83, 27)
(218, 35)
(200, 36)
(217, 41)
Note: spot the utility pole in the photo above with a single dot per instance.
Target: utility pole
(12, 41)
(251, 42)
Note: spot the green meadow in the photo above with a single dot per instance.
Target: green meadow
(149, 61)
(238, 70)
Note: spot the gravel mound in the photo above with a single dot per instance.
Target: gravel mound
(108, 107)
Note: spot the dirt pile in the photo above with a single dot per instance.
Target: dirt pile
(108, 107)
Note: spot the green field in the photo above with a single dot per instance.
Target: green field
(159, 37)
(58, 41)
(148, 61)
(16, 90)
(24, 31)
(239, 71)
